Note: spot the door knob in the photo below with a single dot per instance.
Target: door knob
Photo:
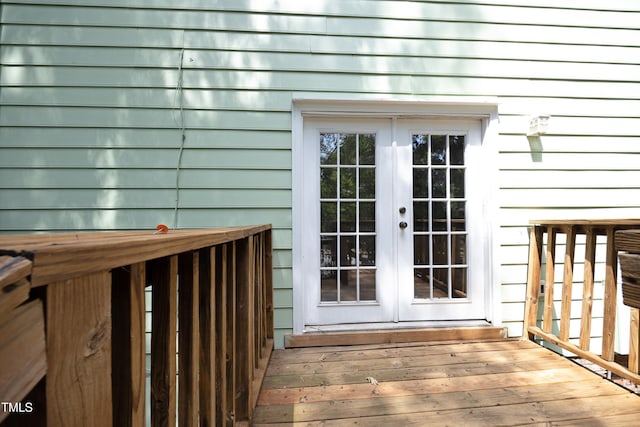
(403, 224)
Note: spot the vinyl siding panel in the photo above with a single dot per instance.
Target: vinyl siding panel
(96, 97)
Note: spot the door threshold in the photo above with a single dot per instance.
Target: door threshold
(352, 327)
(398, 333)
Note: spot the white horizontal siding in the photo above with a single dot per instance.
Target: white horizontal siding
(94, 97)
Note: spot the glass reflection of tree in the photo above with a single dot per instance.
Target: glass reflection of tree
(347, 205)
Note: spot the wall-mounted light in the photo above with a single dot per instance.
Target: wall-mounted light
(538, 125)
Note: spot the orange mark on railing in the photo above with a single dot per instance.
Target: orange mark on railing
(161, 229)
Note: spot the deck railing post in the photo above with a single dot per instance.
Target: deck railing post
(78, 384)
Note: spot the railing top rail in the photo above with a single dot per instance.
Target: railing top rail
(591, 222)
(65, 255)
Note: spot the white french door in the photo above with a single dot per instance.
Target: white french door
(392, 221)
(441, 261)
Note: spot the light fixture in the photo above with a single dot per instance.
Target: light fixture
(538, 125)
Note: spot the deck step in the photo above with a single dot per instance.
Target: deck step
(322, 339)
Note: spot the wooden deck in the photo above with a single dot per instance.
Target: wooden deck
(471, 383)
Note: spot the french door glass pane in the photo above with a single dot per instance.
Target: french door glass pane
(456, 149)
(420, 183)
(420, 216)
(348, 183)
(328, 218)
(348, 217)
(438, 183)
(367, 183)
(421, 250)
(328, 183)
(367, 149)
(458, 216)
(348, 149)
(439, 211)
(457, 184)
(367, 217)
(420, 149)
(438, 149)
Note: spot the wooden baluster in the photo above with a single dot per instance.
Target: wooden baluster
(533, 281)
(222, 335)
(230, 334)
(78, 383)
(163, 274)
(257, 291)
(547, 322)
(268, 284)
(610, 296)
(128, 320)
(188, 341)
(634, 341)
(243, 354)
(567, 283)
(587, 289)
(207, 327)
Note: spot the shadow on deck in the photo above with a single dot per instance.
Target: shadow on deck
(478, 383)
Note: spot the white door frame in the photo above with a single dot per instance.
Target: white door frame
(484, 109)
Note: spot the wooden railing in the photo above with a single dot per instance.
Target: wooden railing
(72, 327)
(545, 233)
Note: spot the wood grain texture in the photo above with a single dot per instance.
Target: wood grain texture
(23, 359)
(79, 351)
(14, 283)
(393, 336)
(13, 269)
(74, 254)
(477, 383)
(628, 240)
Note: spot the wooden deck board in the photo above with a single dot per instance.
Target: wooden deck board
(452, 383)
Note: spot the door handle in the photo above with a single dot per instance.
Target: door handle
(403, 224)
